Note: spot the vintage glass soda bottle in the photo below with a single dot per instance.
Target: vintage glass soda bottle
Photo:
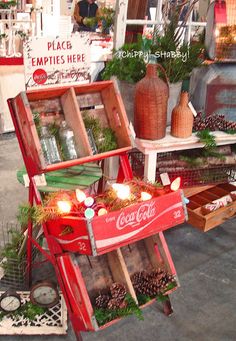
(49, 146)
(67, 141)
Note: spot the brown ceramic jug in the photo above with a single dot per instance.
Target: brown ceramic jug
(182, 118)
(150, 105)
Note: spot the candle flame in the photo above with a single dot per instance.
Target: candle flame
(64, 206)
(122, 191)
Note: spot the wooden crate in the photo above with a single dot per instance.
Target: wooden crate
(206, 221)
(93, 275)
(108, 232)
(71, 101)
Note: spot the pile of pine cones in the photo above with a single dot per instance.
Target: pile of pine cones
(151, 283)
(213, 122)
(114, 299)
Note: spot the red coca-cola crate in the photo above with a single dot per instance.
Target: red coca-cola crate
(99, 100)
(105, 233)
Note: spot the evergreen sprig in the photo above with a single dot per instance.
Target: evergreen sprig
(27, 310)
(104, 137)
(104, 316)
(127, 63)
(11, 249)
(207, 138)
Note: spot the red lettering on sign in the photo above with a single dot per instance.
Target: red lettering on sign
(57, 45)
(76, 58)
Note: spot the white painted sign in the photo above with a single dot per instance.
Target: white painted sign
(57, 61)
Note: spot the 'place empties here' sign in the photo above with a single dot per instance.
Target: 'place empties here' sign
(56, 61)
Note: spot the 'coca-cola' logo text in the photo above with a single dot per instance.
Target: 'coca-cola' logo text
(144, 212)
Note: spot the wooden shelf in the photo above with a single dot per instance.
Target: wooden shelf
(171, 143)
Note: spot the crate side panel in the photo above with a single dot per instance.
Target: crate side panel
(116, 115)
(137, 221)
(91, 87)
(28, 131)
(196, 219)
(76, 291)
(46, 94)
(71, 234)
(219, 216)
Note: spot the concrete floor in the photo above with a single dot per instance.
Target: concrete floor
(204, 305)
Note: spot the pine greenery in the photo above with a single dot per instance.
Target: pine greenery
(127, 63)
(104, 316)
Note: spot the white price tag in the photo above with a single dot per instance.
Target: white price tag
(26, 180)
(192, 109)
(165, 179)
(40, 180)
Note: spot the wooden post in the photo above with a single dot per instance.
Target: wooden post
(120, 23)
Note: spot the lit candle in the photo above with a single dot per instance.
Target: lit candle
(175, 185)
(217, 32)
(80, 195)
(64, 206)
(145, 196)
(122, 191)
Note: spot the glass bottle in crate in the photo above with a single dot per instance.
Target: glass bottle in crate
(92, 141)
(67, 141)
(49, 146)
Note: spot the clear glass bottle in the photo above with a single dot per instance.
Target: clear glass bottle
(49, 146)
(92, 141)
(67, 141)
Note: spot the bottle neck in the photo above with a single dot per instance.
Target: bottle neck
(151, 70)
(44, 130)
(63, 124)
(184, 98)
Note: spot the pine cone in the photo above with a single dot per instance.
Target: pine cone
(118, 291)
(152, 283)
(213, 122)
(139, 281)
(114, 304)
(101, 301)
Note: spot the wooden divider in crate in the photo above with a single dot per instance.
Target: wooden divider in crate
(105, 233)
(101, 100)
(118, 266)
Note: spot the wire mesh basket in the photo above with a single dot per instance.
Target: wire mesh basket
(13, 269)
(189, 176)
